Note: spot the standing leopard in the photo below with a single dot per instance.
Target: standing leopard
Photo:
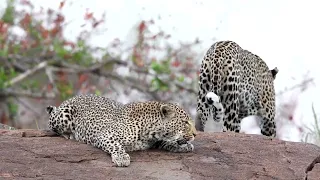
(118, 128)
(233, 84)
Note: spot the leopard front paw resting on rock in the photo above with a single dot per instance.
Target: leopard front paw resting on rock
(121, 160)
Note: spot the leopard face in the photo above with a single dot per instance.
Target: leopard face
(178, 125)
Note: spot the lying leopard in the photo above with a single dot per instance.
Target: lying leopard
(233, 84)
(119, 128)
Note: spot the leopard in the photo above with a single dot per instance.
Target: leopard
(235, 83)
(118, 128)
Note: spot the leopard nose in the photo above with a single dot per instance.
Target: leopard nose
(194, 134)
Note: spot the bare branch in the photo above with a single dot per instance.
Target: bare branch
(129, 81)
(133, 83)
(20, 58)
(93, 67)
(24, 75)
(7, 93)
(300, 85)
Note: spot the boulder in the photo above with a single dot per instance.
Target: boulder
(40, 154)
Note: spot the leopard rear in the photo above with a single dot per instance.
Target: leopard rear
(243, 85)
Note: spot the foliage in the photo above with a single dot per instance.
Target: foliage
(40, 63)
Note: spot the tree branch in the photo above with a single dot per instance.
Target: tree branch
(7, 92)
(93, 67)
(133, 83)
(24, 75)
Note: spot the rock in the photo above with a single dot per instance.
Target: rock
(36, 154)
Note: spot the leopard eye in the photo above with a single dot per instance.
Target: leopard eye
(187, 123)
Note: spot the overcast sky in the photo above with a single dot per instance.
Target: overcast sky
(283, 33)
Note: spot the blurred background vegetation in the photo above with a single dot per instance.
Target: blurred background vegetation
(40, 66)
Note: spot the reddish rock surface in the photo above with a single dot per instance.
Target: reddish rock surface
(26, 154)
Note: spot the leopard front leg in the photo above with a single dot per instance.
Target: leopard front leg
(174, 146)
(110, 144)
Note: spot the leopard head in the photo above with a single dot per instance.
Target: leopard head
(177, 124)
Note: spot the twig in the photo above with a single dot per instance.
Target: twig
(303, 83)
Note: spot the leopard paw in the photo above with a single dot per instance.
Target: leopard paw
(188, 147)
(121, 160)
(183, 148)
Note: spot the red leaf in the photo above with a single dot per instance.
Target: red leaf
(55, 31)
(26, 20)
(61, 4)
(69, 43)
(59, 19)
(44, 32)
(175, 63)
(4, 118)
(88, 15)
(49, 87)
(82, 79)
(3, 27)
(142, 27)
(62, 76)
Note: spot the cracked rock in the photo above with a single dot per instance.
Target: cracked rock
(37, 154)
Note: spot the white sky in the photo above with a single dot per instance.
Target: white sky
(283, 33)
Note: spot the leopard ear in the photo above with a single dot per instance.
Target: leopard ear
(274, 72)
(49, 109)
(166, 111)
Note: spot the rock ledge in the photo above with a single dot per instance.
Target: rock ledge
(36, 154)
